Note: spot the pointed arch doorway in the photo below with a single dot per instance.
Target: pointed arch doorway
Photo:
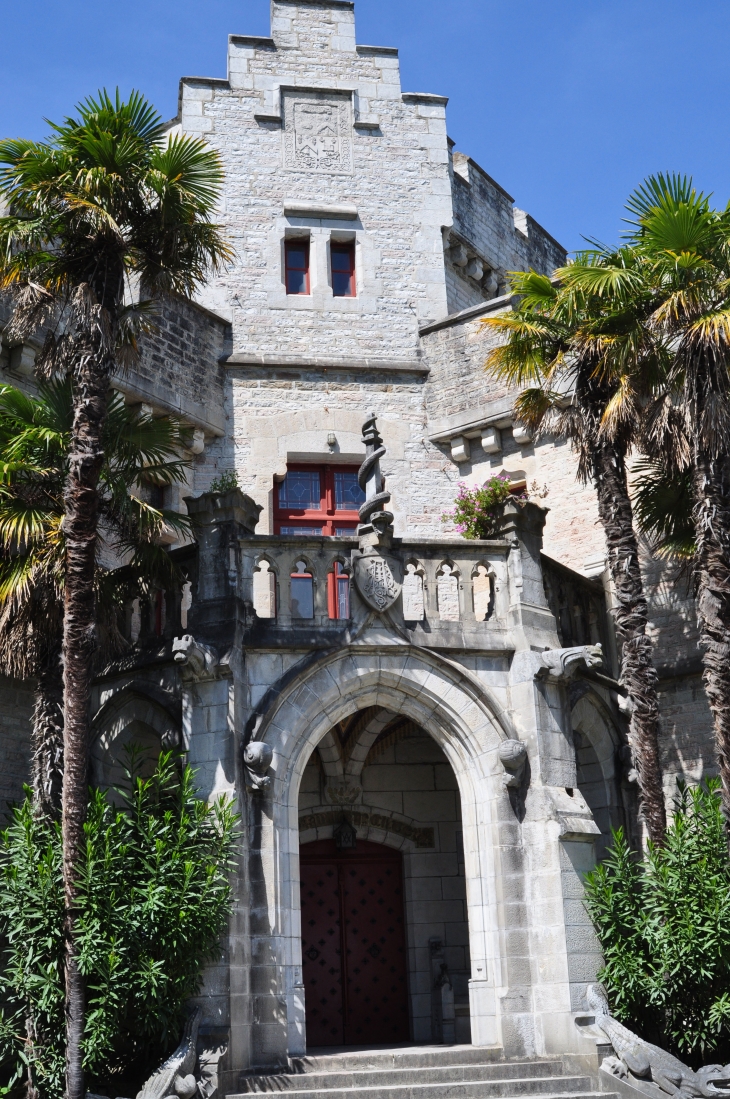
(353, 944)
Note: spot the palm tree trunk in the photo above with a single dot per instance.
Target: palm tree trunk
(47, 752)
(712, 571)
(91, 383)
(637, 666)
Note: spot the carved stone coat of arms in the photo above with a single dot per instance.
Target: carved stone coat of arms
(378, 580)
(317, 132)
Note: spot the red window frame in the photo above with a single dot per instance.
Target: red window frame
(344, 248)
(326, 518)
(289, 246)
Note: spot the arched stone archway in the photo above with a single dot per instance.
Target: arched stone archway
(468, 723)
(597, 743)
(129, 718)
(400, 795)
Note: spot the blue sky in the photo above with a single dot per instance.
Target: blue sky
(568, 104)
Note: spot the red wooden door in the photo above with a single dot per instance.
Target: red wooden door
(353, 944)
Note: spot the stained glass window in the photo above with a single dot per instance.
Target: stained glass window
(301, 489)
(348, 494)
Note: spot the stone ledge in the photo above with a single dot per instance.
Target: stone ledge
(425, 97)
(497, 413)
(347, 4)
(345, 211)
(216, 81)
(374, 51)
(283, 362)
(469, 314)
(252, 40)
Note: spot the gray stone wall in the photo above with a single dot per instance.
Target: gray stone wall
(179, 368)
(504, 237)
(287, 415)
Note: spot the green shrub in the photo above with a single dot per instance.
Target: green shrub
(663, 922)
(477, 510)
(226, 482)
(154, 902)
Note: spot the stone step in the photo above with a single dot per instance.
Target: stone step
(549, 1088)
(325, 1079)
(409, 1056)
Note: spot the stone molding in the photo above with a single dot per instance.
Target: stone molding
(282, 362)
(364, 817)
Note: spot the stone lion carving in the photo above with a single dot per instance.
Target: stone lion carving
(638, 1061)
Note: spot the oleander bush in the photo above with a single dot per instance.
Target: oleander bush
(663, 921)
(154, 902)
(477, 510)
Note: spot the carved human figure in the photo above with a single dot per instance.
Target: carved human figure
(447, 589)
(264, 590)
(482, 588)
(413, 608)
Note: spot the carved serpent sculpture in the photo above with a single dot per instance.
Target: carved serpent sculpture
(376, 451)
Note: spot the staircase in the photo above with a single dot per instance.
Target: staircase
(421, 1072)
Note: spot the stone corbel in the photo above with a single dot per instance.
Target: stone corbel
(257, 757)
(343, 794)
(197, 661)
(460, 449)
(513, 757)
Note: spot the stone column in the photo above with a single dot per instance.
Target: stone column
(549, 960)
(210, 656)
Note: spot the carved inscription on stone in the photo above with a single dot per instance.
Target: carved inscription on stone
(482, 586)
(447, 588)
(413, 610)
(317, 132)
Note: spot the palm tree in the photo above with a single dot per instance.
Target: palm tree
(584, 362)
(685, 246)
(108, 202)
(34, 438)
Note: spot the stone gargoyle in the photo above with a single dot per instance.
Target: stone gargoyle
(648, 1067)
(175, 1078)
(564, 663)
(197, 661)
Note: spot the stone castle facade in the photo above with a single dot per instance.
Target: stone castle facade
(352, 680)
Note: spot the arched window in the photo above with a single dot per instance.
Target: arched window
(264, 590)
(302, 592)
(447, 593)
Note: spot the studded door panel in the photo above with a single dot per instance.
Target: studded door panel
(377, 996)
(353, 945)
(321, 953)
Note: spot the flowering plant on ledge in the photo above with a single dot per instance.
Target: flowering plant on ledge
(478, 509)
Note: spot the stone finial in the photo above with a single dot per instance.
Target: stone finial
(373, 517)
